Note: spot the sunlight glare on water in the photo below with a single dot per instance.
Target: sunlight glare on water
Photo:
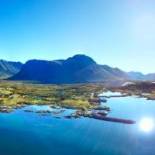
(146, 124)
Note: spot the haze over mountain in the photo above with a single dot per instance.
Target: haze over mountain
(140, 76)
(9, 68)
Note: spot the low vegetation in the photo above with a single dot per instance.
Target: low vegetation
(73, 96)
(142, 89)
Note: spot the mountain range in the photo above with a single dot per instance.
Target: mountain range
(9, 68)
(76, 69)
(140, 76)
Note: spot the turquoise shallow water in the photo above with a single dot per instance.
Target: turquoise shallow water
(24, 133)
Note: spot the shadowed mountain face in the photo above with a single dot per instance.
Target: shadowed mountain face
(8, 68)
(77, 69)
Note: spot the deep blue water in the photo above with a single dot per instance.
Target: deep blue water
(24, 133)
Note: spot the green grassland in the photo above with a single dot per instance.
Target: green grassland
(74, 96)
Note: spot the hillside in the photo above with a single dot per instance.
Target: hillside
(140, 76)
(9, 68)
(76, 69)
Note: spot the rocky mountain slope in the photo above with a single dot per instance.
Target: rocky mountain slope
(9, 68)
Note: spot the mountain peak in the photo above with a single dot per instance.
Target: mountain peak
(82, 59)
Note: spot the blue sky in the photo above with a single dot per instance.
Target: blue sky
(120, 33)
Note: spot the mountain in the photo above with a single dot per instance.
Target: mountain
(9, 68)
(76, 69)
(138, 76)
(150, 77)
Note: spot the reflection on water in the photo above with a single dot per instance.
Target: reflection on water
(146, 124)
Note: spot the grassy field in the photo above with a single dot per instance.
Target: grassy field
(75, 96)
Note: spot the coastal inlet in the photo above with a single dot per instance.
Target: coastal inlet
(69, 101)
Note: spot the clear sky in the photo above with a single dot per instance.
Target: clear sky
(120, 33)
